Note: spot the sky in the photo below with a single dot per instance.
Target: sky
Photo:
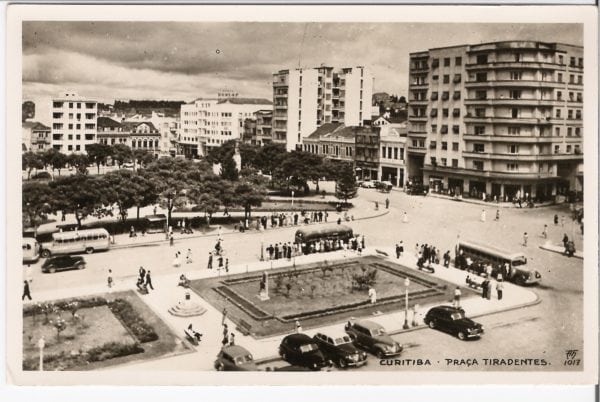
(185, 60)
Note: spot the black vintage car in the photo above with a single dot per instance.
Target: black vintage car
(62, 263)
(301, 350)
(340, 349)
(372, 337)
(453, 320)
(235, 358)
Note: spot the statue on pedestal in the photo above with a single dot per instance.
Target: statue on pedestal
(263, 292)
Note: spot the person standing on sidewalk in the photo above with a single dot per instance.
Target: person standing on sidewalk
(525, 237)
(447, 259)
(457, 294)
(545, 232)
(227, 265)
(232, 339)
(26, 291)
(397, 251)
(188, 257)
(149, 280)
(387, 203)
(484, 289)
(497, 215)
(210, 260)
(109, 279)
(499, 289)
(483, 215)
(404, 218)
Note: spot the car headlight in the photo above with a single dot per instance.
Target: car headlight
(481, 328)
(364, 355)
(469, 330)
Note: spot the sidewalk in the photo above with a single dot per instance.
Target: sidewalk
(559, 248)
(490, 203)
(167, 294)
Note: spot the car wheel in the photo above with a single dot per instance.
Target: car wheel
(342, 363)
(52, 270)
(431, 324)
(220, 367)
(45, 253)
(81, 266)
(284, 356)
(89, 250)
(461, 336)
(381, 354)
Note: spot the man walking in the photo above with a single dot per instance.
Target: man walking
(149, 280)
(109, 279)
(210, 260)
(142, 272)
(484, 288)
(497, 215)
(545, 232)
(499, 289)
(26, 291)
(457, 294)
(188, 257)
(525, 237)
(387, 203)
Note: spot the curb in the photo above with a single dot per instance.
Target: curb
(151, 242)
(490, 204)
(561, 253)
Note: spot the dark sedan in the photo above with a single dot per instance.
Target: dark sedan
(340, 349)
(301, 350)
(62, 263)
(371, 336)
(453, 320)
(235, 358)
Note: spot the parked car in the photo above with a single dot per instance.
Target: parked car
(235, 358)
(339, 348)
(301, 350)
(367, 184)
(453, 320)
(384, 186)
(417, 189)
(42, 176)
(372, 337)
(62, 263)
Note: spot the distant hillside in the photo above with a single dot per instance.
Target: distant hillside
(145, 107)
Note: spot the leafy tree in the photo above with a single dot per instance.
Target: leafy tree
(210, 192)
(60, 325)
(269, 157)
(121, 191)
(247, 194)
(345, 185)
(98, 154)
(249, 154)
(143, 158)
(229, 169)
(55, 159)
(82, 195)
(36, 201)
(121, 153)
(80, 162)
(30, 161)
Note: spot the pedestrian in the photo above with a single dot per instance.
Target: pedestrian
(397, 251)
(176, 261)
(232, 339)
(404, 218)
(298, 327)
(225, 335)
(497, 214)
(447, 259)
(154, 210)
(219, 232)
(489, 290)
(401, 248)
(484, 288)
(525, 236)
(499, 289)
(220, 259)
(227, 265)
(142, 272)
(483, 215)
(26, 291)
(171, 239)
(109, 280)
(149, 280)
(188, 257)
(376, 206)
(387, 203)
(457, 294)
(545, 232)
(210, 260)
(565, 240)
(224, 316)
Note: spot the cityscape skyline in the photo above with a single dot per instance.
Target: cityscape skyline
(108, 61)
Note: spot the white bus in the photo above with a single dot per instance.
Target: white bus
(31, 250)
(77, 241)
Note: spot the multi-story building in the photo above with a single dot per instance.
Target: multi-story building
(502, 118)
(304, 99)
(73, 123)
(367, 141)
(112, 132)
(143, 136)
(209, 122)
(392, 160)
(258, 128)
(36, 137)
(333, 141)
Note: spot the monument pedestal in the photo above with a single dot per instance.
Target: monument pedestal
(263, 295)
(187, 308)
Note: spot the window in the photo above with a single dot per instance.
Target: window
(558, 113)
(571, 97)
(478, 165)
(561, 59)
(578, 114)
(559, 77)
(514, 130)
(579, 97)
(444, 129)
(446, 61)
(456, 95)
(435, 63)
(558, 95)
(446, 79)
(480, 112)
(445, 95)
(478, 147)
(577, 131)
(434, 128)
(514, 113)
(70, 136)
(570, 114)
(456, 112)
(482, 59)
(513, 149)
(518, 56)
(434, 96)
(569, 131)
(455, 146)
(434, 112)
(480, 94)
(70, 105)
(455, 129)
(432, 145)
(454, 163)
(481, 77)
(512, 167)
(457, 78)
(433, 161)
(515, 94)
(395, 153)
(516, 75)
(70, 126)
(444, 146)
(557, 149)
(445, 112)
(572, 63)
(557, 131)
(568, 149)
(580, 79)
(444, 162)
(458, 61)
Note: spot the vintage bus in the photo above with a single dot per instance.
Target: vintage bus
(325, 232)
(519, 273)
(77, 241)
(31, 250)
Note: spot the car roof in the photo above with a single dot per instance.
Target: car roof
(235, 351)
(334, 333)
(302, 339)
(368, 324)
(447, 308)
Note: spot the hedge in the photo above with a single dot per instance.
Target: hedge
(133, 321)
(64, 305)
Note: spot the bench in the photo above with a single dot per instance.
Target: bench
(191, 336)
(244, 327)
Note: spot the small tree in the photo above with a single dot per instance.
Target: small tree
(60, 325)
(98, 154)
(30, 161)
(288, 287)
(345, 185)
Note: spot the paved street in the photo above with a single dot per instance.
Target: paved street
(545, 329)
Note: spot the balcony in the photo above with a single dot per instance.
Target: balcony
(514, 65)
(512, 175)
(513, 102)
(419, 102)
(491, 138)
(504, 120)
(417, 150)
(513, 84)
(417, 118)
(521, 157)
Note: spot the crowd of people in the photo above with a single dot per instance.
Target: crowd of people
(288, 250)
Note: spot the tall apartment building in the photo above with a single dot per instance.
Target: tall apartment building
(73, 123)
(258, 128)
(210, 122)
(304, 99)
(502, 118)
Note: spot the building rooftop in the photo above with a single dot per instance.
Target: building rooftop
(107, 122)
(34, 125)
(246, 101)
(324, 129)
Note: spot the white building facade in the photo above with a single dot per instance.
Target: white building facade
(304, 99)
(73, 123)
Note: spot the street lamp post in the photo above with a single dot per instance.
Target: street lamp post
(41, 344)
(292, 198)
(406, 284)
(262, 255)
